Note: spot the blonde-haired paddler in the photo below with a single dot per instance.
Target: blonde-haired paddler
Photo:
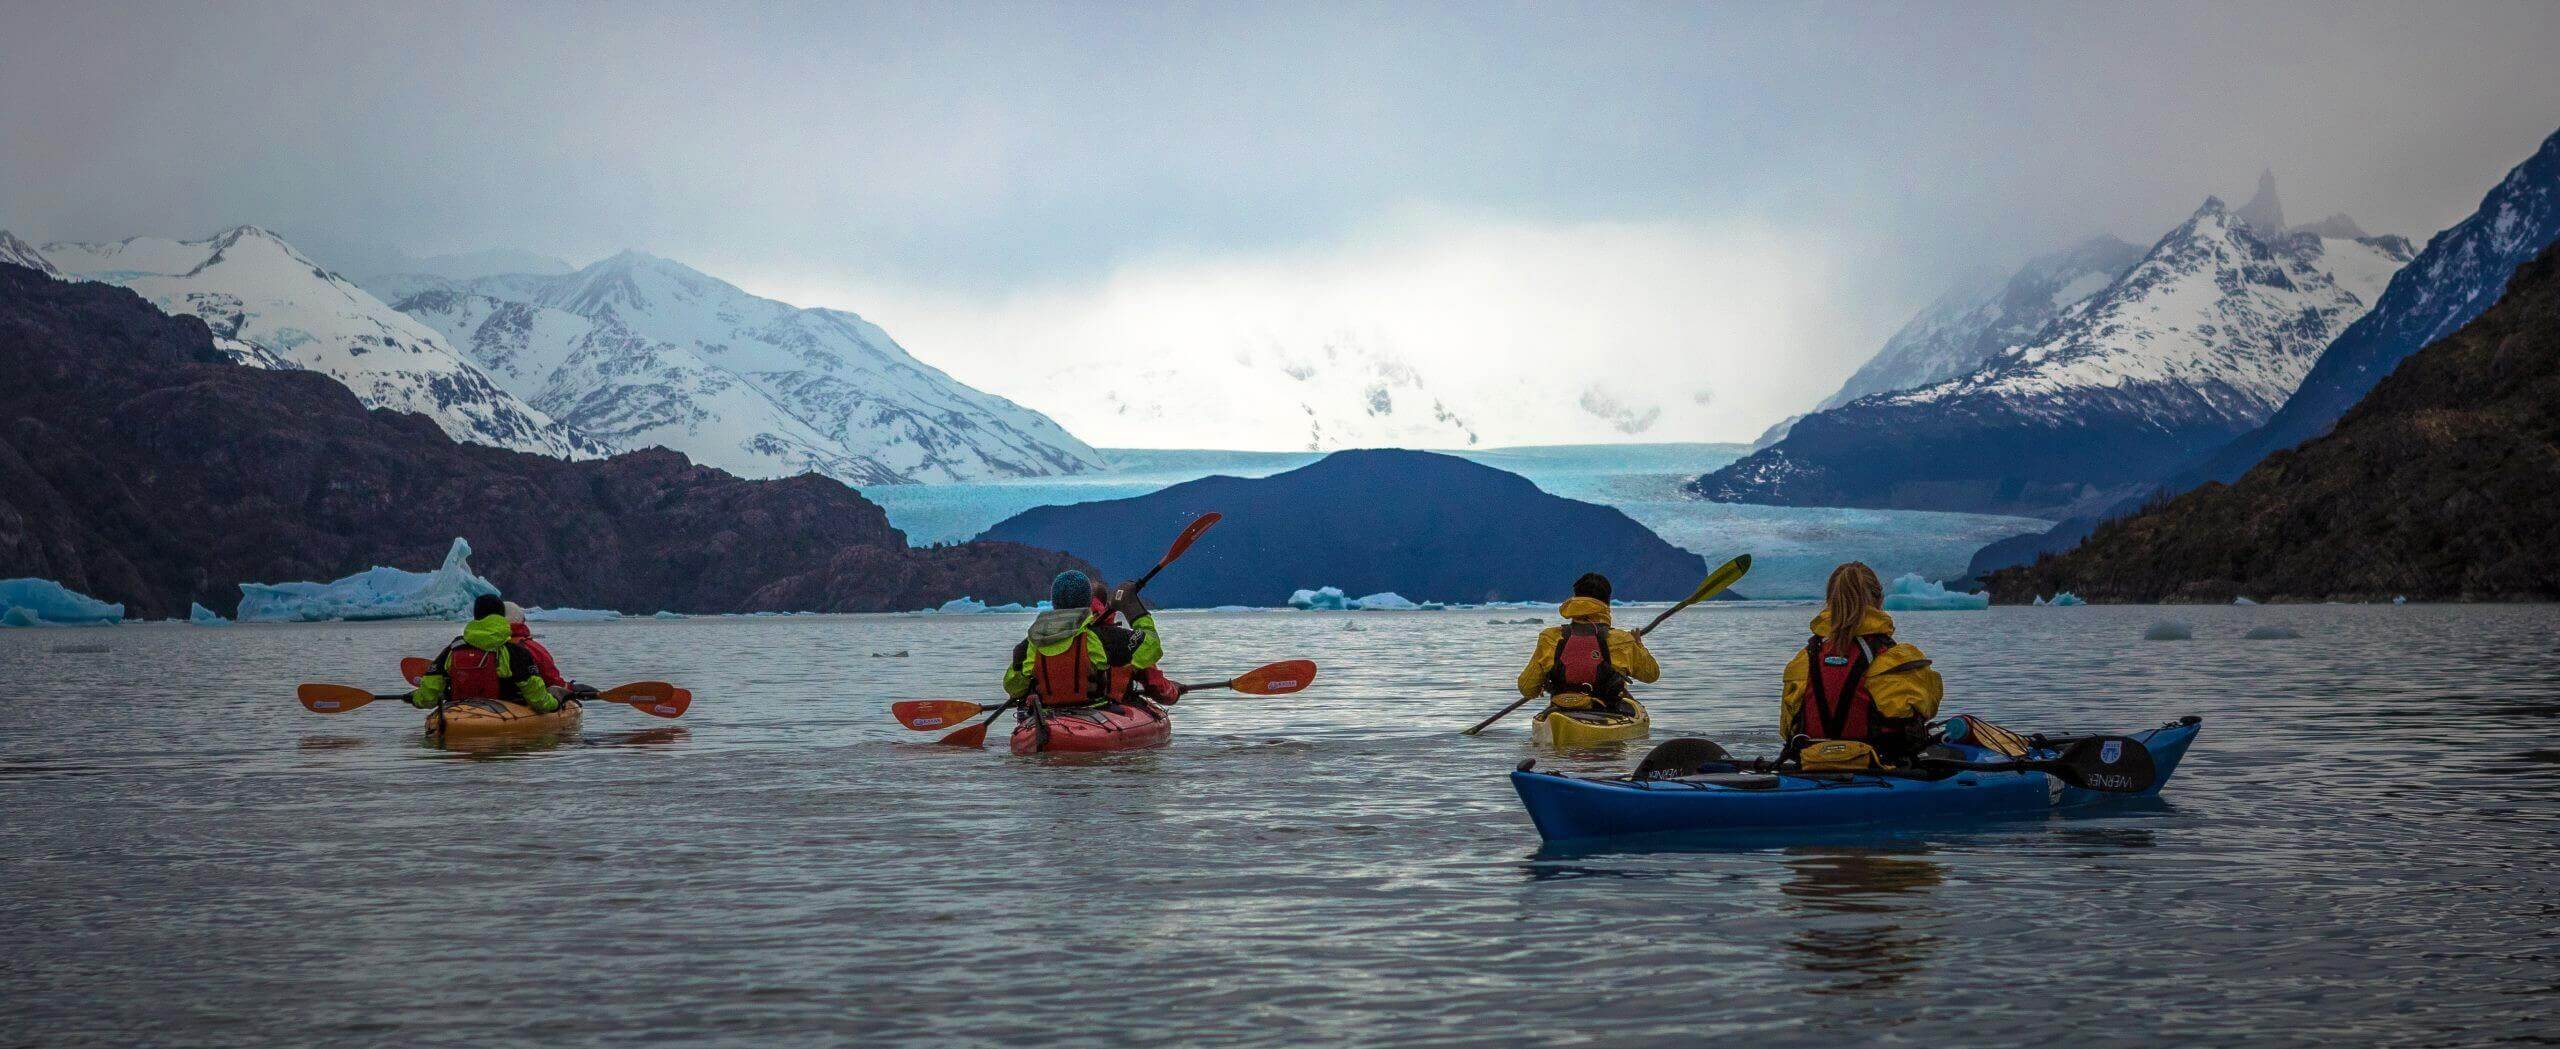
(1871, 688)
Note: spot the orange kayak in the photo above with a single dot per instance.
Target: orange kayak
(492, 717)
(1135, 726)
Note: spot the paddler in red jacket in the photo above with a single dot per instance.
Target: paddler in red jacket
(523, 634)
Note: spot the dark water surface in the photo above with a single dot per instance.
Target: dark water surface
(2360, 847)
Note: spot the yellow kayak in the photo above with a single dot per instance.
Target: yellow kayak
(1577, 728)
(483, 718)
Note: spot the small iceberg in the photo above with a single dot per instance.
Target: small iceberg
(202, 616)
(2400, 600)
(2064, 599)
(2269, 633)
(2242, 601)
(569, 615)
(375, 593)
(1326, 599)
(1389, 601)
(1910, 593)
(2170, 630)
(664, 614)
(970, 606)
(43, 602)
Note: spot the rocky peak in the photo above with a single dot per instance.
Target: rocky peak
(2264, 213)
(17, 252)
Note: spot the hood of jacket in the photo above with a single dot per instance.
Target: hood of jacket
(1876, 622)
(520, 631)
(1056, 625)
(1590, 608)
(488, 633)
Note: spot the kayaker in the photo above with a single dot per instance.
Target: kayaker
(1132, 645)
(1585, 663)
(485, 663)
(1061, 662)
(522, 632)
(1872, 688)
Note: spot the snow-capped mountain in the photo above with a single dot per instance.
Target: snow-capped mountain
(271, 307)
(20, 253)
(2462, 271)
(640, 350)
(2199, 341)
(1984, 315)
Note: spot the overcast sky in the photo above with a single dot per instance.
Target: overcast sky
(1746, 198)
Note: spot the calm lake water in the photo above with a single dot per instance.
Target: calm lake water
(2360, 847)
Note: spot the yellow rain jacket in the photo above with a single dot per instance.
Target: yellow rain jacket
(1626, 650)
(1900, 679)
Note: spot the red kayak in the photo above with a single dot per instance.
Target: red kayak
(1134, 726)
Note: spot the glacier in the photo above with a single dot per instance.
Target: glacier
(375, 593)
(1911, 593)
(29, 601)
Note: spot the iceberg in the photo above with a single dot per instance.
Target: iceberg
(2064, 599)
(1910, 593)
(664, 614)
(1389, 601)
(375, 593)
(972, 606)
(569, 615)
(202, 616)
(1325, 599)
(2242, 601)
(43, 602)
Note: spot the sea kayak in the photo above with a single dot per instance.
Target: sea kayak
(1566, 808)
(481, 718)
(1580, 728)
(1132, 726)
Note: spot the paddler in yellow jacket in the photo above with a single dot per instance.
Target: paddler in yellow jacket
(1586, 663)
(1872, 688)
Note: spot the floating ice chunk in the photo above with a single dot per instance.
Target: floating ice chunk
(664, 614)
(1389, 601)
(1233, 608)
(2269, 633)
(202, 616)
(2066, 599)
(2242, 601)
(962, 606)
(569, 615)
(2401, 600)
(46, 602)
(1327, 599)
(375, 593)
(1433, 606)
(1910, 593)
(2170, 630)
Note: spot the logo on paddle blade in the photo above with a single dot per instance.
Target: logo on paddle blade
(664, 709)
(326, 704)
(2111, 750)
(1284, 684)
(927, 722)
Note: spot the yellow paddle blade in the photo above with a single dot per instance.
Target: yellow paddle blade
(1723, 577)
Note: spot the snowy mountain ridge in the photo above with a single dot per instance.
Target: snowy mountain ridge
(2201, 339)
(1983, 315)
(641, 350)
(20, 253)
(271, 307)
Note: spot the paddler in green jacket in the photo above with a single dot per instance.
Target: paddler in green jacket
(1073, 655)
(485, 663)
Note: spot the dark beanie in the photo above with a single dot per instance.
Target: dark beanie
(487, 605)
(1593, 585)
(1070, 590)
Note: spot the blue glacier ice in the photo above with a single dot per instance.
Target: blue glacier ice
(375, 593)
(202, 616)
(2064, 599)
(664, 614)
(1910, 593)
(1322, 599)
(569, 615)
(1389, 601)
(43, 602)
(973, 606)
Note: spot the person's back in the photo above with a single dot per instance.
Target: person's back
(1853, 680)
(522, 631)
(1131, 647)
(1586, 662)
(1060, 662)
(485, 664)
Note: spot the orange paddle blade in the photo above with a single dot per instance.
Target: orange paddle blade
(332, 699)
(926, 715)
(640, 692)
(671, 705)
(1278, 679)
(973, 736)
(415, 667)
(1191, 534)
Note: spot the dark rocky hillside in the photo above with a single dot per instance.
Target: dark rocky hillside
(138, 465)
(1430, 527)
(2442, 483)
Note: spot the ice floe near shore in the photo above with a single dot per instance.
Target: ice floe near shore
(375, 593)
(43, 602)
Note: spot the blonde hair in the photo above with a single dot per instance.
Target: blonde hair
(1853, 592)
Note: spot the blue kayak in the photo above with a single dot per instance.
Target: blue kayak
(1566, 808)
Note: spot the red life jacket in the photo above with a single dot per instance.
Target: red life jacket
(1582, 664)
(1065, 679)
(1836, 702)
(472, 673)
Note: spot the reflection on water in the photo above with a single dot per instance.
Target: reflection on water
(2344, 857)
(1866, 916)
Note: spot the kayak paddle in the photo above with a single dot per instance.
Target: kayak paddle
(975, 736)
(2113, 764)
(1731, 573)
(1715, 583)
(649, 697)
(1277, 679)
(337, 699)
(1181, 543)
